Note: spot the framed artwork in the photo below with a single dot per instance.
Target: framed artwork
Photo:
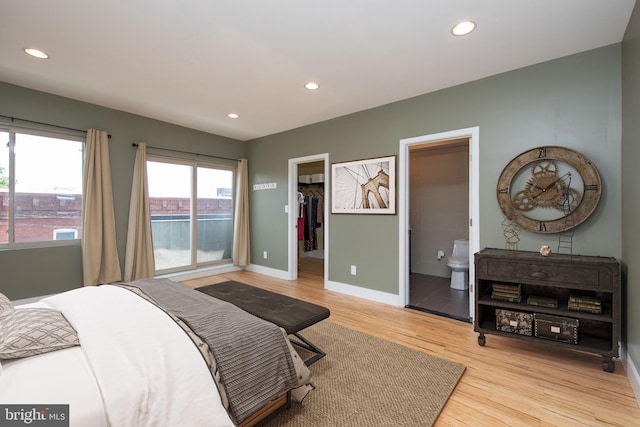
(364, 186)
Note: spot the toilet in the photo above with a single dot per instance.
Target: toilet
(458, 262)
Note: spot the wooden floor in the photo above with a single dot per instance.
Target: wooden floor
(506, 383)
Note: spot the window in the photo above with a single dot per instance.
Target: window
(40, 188)
(191, 213)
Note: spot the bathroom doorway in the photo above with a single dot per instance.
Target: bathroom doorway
(438, 216)
(437, 205)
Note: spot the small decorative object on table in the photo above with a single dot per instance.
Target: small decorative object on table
(511, 235)
(545, 250)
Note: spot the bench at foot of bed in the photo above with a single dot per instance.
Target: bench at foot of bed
(291, 314)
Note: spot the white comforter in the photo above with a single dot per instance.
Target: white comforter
(135, 367)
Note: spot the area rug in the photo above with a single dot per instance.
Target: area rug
(368, 381)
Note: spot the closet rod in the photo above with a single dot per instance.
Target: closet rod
(188, 152)
(42, 123)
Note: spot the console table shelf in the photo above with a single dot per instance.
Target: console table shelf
(587, 343)
(557, 277)
(562, 310)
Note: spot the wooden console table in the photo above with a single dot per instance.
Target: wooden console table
(555, 278)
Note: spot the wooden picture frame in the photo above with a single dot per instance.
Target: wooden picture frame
(364, 186)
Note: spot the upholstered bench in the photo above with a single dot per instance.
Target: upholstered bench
(291, 314)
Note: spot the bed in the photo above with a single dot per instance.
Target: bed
(149, 353)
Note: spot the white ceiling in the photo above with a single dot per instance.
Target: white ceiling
(191, 62)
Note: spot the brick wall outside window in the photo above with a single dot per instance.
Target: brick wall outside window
(39, 214)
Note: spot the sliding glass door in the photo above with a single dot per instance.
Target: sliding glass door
(191, 213)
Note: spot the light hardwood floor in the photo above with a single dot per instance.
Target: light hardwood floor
(506, 383)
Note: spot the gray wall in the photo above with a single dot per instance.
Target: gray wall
(27, 273)
(630, 180)
(439, 205)
(573, 101)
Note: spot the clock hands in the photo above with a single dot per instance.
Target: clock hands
(543, 190)
(553, 183)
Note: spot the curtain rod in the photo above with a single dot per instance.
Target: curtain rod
(188, 152)
(45, 124)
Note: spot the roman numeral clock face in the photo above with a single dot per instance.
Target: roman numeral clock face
(549, 189)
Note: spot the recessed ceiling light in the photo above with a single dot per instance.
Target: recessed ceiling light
(36, 53)
(233, 115)
(463, 28)
(312, 86)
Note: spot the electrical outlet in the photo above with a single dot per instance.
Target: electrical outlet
(353, 270)
(264, 254)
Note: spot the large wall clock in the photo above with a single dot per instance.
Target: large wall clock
(549, 189)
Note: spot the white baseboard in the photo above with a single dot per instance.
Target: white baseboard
(369, 294)
(632, 372)
(343, 288)
(268, 271)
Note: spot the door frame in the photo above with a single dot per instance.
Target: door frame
(292, 201)
(473, 134)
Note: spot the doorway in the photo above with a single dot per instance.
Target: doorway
(308, 217)
(439, 218)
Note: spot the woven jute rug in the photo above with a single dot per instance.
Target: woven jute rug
(368, 381)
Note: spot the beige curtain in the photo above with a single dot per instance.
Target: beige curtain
(241, 224)
(100, 262)
(139, 262)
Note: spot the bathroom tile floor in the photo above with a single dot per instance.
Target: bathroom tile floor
(434, 295)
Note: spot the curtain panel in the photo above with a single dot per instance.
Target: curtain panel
(241, 224)
(139, 261)
(100, 263)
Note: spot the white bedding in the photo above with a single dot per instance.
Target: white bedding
(134, 367)
(60, 377)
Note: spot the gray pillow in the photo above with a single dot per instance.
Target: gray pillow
(5, 306)
(30, 331)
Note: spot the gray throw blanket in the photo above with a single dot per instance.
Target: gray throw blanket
(252, 357)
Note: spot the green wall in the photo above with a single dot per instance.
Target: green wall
(33, 272)
(630, 180)
(573, 101)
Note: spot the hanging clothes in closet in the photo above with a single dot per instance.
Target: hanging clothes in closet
(300, 215)
(310, 218)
